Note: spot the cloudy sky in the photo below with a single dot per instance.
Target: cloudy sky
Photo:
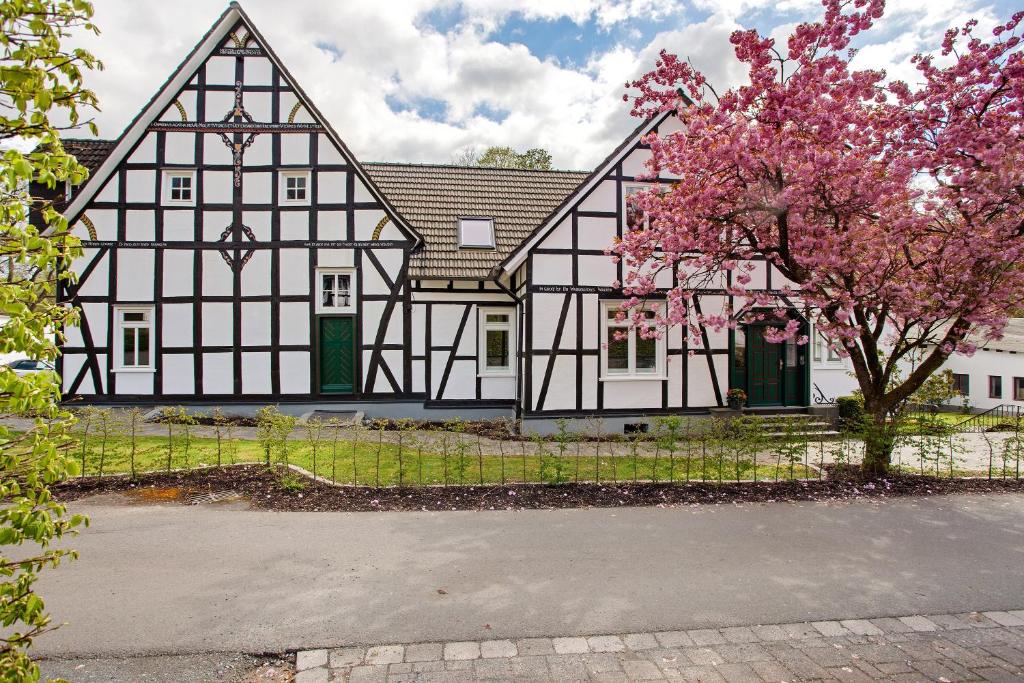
(420, 80)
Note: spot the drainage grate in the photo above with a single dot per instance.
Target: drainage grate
(211, 497)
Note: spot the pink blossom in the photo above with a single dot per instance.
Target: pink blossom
(894, 213)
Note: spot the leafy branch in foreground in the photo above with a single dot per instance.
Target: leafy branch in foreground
(41, 92)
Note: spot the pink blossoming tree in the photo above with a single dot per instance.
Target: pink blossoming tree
(895, 210)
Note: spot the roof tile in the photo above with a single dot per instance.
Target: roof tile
(433, 197)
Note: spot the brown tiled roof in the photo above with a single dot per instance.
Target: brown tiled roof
(1013, 338)
(90, 153)
(432, 198)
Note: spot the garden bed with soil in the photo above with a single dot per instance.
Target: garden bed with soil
(263, 488)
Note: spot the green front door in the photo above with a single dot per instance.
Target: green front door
(337, 355)
(764, 383)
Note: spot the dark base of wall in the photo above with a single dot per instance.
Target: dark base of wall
(377, 407)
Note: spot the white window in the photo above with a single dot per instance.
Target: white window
(180, 187)
(497, 341)
(476, 233)
(822, 352)
(337, 292)
(627, 354)
(133, 342)
(295, 187)
(635, 218)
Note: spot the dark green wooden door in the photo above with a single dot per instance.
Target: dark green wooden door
(765, 370)
(337, 355)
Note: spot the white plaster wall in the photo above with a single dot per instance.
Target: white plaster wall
(419, 377)
(134, 383)
(331, 188)
(597, 271)
(366, 222)
(255, 323)
(560, 236)
(632, 393)
(296, 372)
(294, 323)
(294, 271)
(135, 275)
(256, 274)
(295, 224)
(327, 153)
(177, 325)
(179, 373)
(218, 325)
(562, 388)
(179, 270)
(256, 373)
(97, 282)
(495, 388)
(217, 277)
(603, 198)
(180, 225)
(218, 373)
(978, 368)
(331, 225)
(139, 226)
(597, 233)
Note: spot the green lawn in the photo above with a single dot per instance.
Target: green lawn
(382, 465)
(915, 423)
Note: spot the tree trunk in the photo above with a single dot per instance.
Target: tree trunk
(879, 438)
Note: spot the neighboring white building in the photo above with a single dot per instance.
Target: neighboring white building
(236, 253)
(994, 375)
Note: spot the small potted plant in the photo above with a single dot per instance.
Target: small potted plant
(736, 397)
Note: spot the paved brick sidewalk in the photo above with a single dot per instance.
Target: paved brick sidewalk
(985, 646)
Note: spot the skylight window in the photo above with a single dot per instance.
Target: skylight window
(476, 233)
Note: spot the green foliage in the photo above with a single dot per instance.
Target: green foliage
(291, 482)
(134, 420)
(668, 433)
(457, 427)
(220, 425)
(40, 78)
(937, 390)
(272, 430)
(179, 431)
(314, 427)
(506, 157)
(851, 412)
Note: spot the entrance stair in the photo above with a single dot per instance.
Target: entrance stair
(796, 425)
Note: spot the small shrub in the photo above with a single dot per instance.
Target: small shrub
(218, 418)
(272, 431)
(134, 421)
(851, 412)
(87, 418)
(291, 482)
(108, 431)
(314, 438)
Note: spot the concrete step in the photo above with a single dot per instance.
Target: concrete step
(823, 433)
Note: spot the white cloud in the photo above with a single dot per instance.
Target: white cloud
(371, 52)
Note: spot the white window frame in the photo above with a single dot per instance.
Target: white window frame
(463, 245)
(483, 326)
(299, 173)
(822, 354)
(631, 188)
(168, 175)
(353, 293)
(120, 325)
(631, 373)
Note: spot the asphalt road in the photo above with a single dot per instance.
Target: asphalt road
(167, 580)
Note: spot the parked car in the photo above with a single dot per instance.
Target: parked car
(26, 366)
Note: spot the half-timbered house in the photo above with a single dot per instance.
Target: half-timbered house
(238, 254)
